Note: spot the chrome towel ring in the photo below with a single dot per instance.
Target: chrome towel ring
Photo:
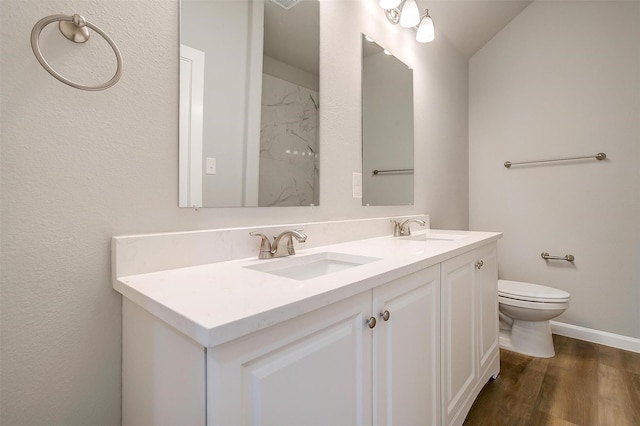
(73, 28)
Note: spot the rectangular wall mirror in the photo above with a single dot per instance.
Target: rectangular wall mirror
(249, 103)
(387, 128)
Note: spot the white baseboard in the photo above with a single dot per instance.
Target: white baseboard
(596, 336)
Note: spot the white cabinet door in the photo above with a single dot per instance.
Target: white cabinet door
(458, 342)
(486, 278)
(312, 370)
(406, 350)
(470, 332)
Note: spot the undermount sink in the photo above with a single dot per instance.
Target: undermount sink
(435, 237)
(312, 266)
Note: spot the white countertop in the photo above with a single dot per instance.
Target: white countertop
(218, 302)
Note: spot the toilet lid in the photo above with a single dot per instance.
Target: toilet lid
(531, 292)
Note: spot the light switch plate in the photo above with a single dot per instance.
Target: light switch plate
(211, 168)
(357, 185)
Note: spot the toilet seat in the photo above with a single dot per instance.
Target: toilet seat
(549, 306)
(527, 292)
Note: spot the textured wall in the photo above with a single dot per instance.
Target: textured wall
(79, 167)
(562, 79)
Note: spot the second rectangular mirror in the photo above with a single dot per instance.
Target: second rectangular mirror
(387, 128)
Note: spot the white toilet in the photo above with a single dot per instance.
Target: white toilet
(525, 311)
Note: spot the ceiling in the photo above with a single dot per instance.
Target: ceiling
(470, 24)
(291, 36)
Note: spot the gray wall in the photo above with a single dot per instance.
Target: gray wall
(562, 79)
(79, 167)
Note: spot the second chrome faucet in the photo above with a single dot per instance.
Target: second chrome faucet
(269, 250)
(404, 229)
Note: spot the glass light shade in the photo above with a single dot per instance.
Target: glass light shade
(426, 32)
(410, 16)
(389, 4)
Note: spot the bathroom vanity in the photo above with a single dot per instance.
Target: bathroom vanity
(381, 330)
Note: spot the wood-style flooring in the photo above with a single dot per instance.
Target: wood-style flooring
(585, 384)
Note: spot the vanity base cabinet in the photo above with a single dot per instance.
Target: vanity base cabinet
(416, 350)
(469, 343)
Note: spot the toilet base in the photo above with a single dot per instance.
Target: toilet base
(531, 338)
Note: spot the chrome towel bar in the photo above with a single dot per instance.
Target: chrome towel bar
(375, 172)
(567, 257)
(598, 156)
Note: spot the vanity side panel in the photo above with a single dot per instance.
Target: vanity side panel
(163, 372)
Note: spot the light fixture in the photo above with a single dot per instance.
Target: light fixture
(426, 32)
(410, 15)
(406, 13)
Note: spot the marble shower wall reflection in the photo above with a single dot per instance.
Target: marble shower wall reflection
(289, 154)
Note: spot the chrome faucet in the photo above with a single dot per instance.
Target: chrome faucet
(275, 247)
(404, 229)
(270, 250)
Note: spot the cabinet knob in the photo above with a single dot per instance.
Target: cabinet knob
(371, 322)
(479, 264)
(385, 315)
